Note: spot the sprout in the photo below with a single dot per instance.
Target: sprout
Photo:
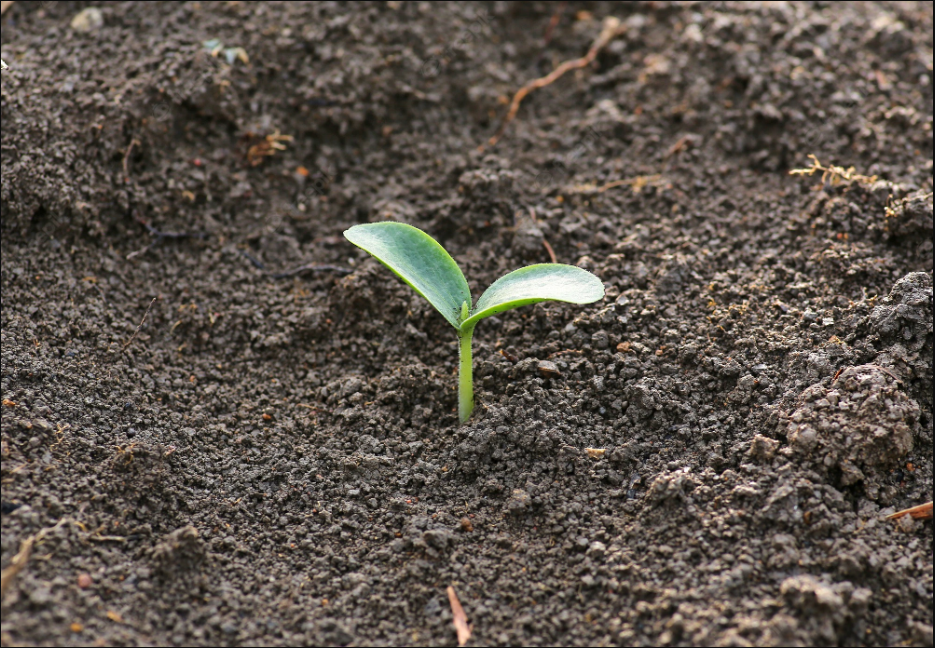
(421, 262)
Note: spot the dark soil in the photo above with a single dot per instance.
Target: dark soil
(273, 457)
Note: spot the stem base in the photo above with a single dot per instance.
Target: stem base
(465, 375)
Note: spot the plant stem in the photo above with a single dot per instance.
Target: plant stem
(465, 375)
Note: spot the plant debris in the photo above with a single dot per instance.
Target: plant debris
(18, 562)
(835, 175)
(611, 29)
(920, 512)
(459, 619)
(266, 148)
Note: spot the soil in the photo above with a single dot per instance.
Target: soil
(223, 424)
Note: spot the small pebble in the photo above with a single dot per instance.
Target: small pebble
(88, 20)
(85, 581)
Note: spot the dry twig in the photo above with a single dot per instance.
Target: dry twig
(22, 557)
(16, 565)
(553, 22)
(142, 321)
(126, 159)
(548, 248)
(921, 512)
(612, 29)
(106, 538)
(636, 184)
(459, 618)
(545, 242)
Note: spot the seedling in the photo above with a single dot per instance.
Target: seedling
(420, 261)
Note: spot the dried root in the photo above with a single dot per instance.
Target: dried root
(834, 175)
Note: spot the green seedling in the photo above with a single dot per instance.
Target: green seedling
(420, 261)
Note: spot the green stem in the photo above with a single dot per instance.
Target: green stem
(465, 375)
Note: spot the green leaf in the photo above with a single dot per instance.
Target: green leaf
(536, 283)
(420, 261)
